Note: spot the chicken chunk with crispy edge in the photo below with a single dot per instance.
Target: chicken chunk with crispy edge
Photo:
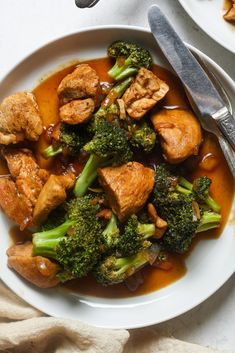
(36, 269)
(78, 111)
(82, 83)
(19, 119)
(19, 193)
(144, 93)
(127, 187)
(52, 195)
(180, 134)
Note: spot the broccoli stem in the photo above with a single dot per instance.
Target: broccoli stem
(185, 187)
(122, 71)
(146, 230)
(44, 243)
(185, 183)
(208, 221)
(116, 92)
(111, 231)
(88, 175)
(108, 103)
(212, 204)
(130, 263)
(51, 151)
(182, 190)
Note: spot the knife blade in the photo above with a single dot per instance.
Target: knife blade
(204, 97)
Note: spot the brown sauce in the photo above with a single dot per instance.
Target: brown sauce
(154, 278)
(18, 236)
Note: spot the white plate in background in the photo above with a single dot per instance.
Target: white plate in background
(210, 264)
(208, 14)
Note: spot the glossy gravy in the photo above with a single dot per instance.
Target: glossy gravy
(154, 278)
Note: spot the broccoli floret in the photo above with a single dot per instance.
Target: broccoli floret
(72, 139)
(129, 57)
(111, 233)
(175, 202)
(113, 269)
(75, 244)
(181, 223)
(109, 146)
(165, 183)
(134, 237)
(183, 226)
(144, 138)
(200, 189)
(209, 220)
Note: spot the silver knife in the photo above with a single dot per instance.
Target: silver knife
(204, 98)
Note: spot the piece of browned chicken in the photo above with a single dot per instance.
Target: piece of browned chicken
(127, 187)
(230, 14)
(19, 193)
(52, 195)
(36, 269)
(144, 93)
(19, 119)
(82, 83)
(77, 111)
(180, 134)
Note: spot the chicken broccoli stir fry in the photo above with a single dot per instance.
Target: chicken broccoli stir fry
(117, 194)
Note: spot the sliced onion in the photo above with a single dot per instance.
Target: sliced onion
(133, 282)
(153, 253)
(196, 211)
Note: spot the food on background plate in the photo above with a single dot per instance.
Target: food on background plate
(107, 191)
(230, 11)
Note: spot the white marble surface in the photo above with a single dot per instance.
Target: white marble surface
(27, 24)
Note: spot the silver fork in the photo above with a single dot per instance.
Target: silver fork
(225, 146)
(85, 3)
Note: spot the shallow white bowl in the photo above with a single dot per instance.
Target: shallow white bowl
(209, 16)
(210, 264)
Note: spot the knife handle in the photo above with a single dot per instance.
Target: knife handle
(226, 124)
(228, 153)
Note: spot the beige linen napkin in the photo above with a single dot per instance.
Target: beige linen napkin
(24, 329)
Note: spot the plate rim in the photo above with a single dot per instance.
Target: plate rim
(190, 13)
(217, 67)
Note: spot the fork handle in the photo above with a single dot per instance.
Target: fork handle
(228, 153)
(226, 124)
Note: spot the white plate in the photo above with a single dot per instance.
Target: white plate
(210, 264)
(208, 14)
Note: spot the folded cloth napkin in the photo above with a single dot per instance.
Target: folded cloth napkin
(24, 329)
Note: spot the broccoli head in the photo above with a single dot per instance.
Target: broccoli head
(200, 190)
(144, 138)
(178, 212)
(164, 184)
(177, 203)
(75, 244)
(110, 143)
(109, 146)
(134, 237)
(113, 269)
(129, 57)
(201, 187)
(72, 139)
